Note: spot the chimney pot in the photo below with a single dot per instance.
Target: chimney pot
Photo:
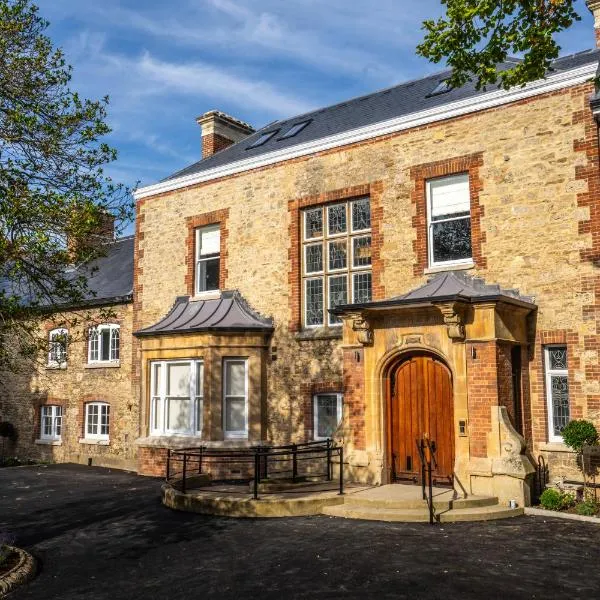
(220, 130)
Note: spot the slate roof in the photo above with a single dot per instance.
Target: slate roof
(230, 312)
(404, 99)
(450, 286)
(109, 277)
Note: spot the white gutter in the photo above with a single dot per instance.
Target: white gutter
(447, 111)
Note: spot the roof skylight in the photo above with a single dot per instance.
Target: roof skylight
(295, 129)
(262, 139)
(441, 88)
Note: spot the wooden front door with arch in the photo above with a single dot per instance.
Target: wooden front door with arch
(420, 403)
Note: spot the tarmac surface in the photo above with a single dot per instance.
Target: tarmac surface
(103, 534)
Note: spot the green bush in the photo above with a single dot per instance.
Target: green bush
(552, 499)
(588, 508)
(580, 433)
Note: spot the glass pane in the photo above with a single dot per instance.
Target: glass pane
(361, 251)
(199, 379)
(209, 240)
(156, 380)
(178, 414)
(199, 414)
(157, 414)
(451, 240)
(338, 294)
(327, 417)
(235, 414)
(314, 302)
(93, 344)
(313, 223)
(114, 344)
(105, 344)
(58, 422)
(92, 412)
(178, 380)
(361, 214)
(560, 402)
(314, 258)
(362, 287)
(338, 255)
(558, 357)
(208, 274)
(449, 196)
(235, 378)
(336, 219)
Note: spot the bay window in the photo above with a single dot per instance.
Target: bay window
(176, 397)
(336, 259)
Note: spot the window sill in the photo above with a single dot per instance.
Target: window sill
(41, 442)
(56, 367)
(103, 365)
(175, 442)
(210, 295)
(449, 267)
(555, 447)
(320, 333)
(91, 442)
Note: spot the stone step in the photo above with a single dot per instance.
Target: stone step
(414, 503)
(420, 515)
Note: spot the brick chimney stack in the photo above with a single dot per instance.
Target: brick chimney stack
(594, 6)
(220, 131)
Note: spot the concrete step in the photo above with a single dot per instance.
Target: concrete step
(414, 503)
(420, 515)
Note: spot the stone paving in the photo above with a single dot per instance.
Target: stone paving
(102, 534)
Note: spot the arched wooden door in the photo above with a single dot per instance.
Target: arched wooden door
(420, 404)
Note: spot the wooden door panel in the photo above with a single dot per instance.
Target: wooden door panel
(420, 403)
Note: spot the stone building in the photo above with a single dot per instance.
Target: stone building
(76, 403)
(421, 261)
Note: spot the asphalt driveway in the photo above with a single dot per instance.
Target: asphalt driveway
(104, 534)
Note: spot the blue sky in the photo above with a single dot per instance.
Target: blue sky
(164, 63)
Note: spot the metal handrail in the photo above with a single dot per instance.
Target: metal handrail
(257, 457)
(427, 460)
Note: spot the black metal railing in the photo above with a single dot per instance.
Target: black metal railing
(540, 480)
(257, 464)
(426, 449)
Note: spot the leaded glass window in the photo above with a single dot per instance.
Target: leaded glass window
(327, 414)
(449, 220)
(557, 391)
(336, 259)
(57, 352)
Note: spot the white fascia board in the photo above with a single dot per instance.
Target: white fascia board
(439, 113)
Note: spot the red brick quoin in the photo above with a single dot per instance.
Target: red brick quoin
(420, 174)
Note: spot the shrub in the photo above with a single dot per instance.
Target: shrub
(580, 433)
(588, 508)
(552, 499)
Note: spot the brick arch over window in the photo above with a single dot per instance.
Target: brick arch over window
(419, 175)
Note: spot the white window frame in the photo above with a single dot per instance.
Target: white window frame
(430, 256)
(552, 437)
(102, 407)
(159, 402)
(56, 415)
(326, 273)
(60, 331)
(112, 327)
(240, 434)
(200, 258)
(340, 404)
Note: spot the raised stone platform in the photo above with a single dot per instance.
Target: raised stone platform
(385, 503)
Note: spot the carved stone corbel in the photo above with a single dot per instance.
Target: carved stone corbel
(363, 329)
(454, 319)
